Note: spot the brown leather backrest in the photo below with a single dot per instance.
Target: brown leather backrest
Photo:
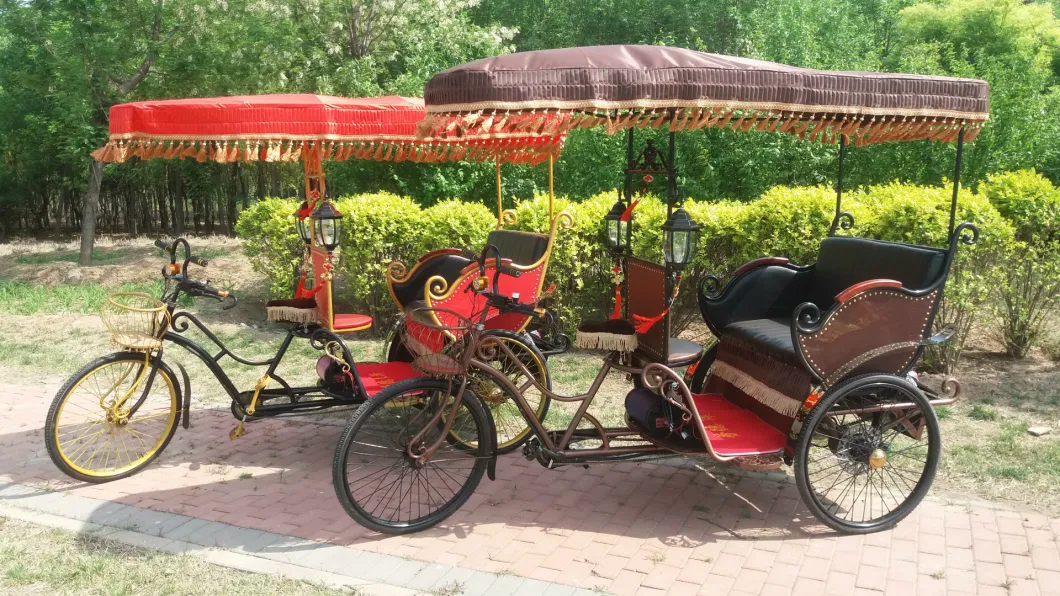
(646, 295)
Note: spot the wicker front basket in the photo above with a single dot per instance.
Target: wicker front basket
(136, 321)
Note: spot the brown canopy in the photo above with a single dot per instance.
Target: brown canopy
(618, 87)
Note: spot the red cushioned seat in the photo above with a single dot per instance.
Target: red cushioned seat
(734, 431)
(377, 376)
(344, 323)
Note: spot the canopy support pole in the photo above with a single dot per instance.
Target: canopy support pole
(956, 181)
(629, 186)
(315, 187)
(839, 187)
(551, 162)
(671, 170)
(500, 200)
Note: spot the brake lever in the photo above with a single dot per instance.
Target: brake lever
(231, 302)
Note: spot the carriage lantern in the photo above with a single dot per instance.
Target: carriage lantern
(302, 220)
(615, 228)
(328, 222)
(680, 235)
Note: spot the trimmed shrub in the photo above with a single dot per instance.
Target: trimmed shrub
(272, 242)
(920, 215)
(1030, 287)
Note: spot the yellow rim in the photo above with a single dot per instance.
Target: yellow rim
(512, 428)
(95, 433)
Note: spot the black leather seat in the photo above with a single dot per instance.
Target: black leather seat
(771, 335)
(446, 266)
(758, 309)
(523, 248)
(683, 352)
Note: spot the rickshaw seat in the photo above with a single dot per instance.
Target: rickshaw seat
(646, 288)
(771, 335)
(337, 323)
(523, 248)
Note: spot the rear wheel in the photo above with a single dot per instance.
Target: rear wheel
(381, 486)
(867, 454)
(512, 427)
(112, 418)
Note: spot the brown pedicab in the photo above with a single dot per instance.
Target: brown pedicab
(118, 413)
(814, 365)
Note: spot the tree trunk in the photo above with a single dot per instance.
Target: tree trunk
(88, 215)
(259, 168)
(163, 208)
(178, 204)
(274, 179)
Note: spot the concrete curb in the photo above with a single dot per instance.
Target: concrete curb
(373, 574)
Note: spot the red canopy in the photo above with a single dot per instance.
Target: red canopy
(290, 127)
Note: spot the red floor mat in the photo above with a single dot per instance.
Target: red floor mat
(380, 375)
(733, 430)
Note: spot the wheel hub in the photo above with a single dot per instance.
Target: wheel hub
(859, 449)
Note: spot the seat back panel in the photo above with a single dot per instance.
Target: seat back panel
(646, 291)
(323, 297)
(523, 248)
(845, 261)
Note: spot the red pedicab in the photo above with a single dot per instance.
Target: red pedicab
(118, 413)
(814, 364)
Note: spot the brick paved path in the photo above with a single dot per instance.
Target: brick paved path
(641, 529)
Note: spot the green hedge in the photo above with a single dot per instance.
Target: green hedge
(785, 221)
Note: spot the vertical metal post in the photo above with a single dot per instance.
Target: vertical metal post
(551, 162)
(956, 181)
(500, 203)
(671, 170)
(839, 185)
(629, 188)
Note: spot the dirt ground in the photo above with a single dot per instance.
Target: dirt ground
(987, 452)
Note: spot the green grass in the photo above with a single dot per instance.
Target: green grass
(36, 560)
(983, 412)
(20, 298)
(943, 412)
(1009, 454)
(43, 258)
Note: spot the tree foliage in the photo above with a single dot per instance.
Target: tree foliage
(64, 62)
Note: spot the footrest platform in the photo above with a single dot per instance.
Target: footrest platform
(376, 376)
(734, 431)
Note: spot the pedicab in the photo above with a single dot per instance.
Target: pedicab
(814, 365)
(116, 414)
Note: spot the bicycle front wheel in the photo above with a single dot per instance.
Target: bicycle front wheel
(112, 418)
(386, 490)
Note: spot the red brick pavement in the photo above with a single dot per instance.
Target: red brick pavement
(638, 529)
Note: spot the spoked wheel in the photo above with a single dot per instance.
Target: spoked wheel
(867, 454)
(385, 489)
(512, 427)
(112, 418)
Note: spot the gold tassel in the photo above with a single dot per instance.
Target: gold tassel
(725, 121)
(202, 154)
(378, 156)
(499, 126)
(400, 156)
(658, 121)
(487, 124)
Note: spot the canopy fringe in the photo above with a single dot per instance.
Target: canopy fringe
(862, 129)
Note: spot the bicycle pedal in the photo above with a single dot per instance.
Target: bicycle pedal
(237, 432)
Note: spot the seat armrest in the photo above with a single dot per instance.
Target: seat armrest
(755, 293)
(755, 264)
(865, 286)
(440, 252)
(875, 326)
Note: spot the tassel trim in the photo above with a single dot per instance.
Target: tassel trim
(612, 342)
(763, 394)
(509, 150)
(815, 126)
(291, 315)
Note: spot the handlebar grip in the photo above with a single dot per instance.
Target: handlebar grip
(212, 291)
(161, 244)
(201, 262)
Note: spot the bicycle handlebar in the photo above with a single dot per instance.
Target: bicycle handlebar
(192, 288)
